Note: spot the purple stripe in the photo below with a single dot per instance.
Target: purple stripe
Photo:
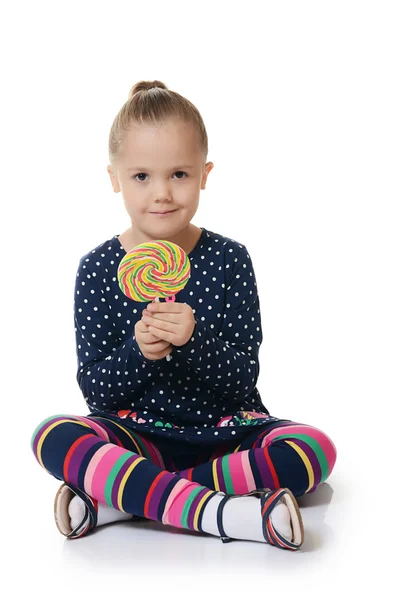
(263, 467)
(193, 508)
(219, 472)
(311, 455)
(158, 493)
(78, 456)
(112, 436)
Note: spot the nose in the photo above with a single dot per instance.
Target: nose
(162, 190)
(164, 198)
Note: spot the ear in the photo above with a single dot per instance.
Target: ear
(208, 167)
(113, 178)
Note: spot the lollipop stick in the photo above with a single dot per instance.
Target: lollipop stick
(157, 299)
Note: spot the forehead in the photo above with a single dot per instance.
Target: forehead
(173, 141)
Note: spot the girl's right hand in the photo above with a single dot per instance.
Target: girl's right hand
(152, 347)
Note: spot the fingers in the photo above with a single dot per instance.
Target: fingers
(153, 347)
(159, 346)
(141, 326)
(158, 355)
(164, 317)
(168, 336)
(153, 340)
(146, 334)
(155, 343)
(167, 307)
(150, 338)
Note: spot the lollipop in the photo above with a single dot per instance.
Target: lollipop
(154, 270)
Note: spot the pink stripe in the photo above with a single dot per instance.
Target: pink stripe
(321, 438)
(237, 473)
(249, 478)
(170, 514)
(96, 427)
(95, 478)
(175, 511)
(168, 505)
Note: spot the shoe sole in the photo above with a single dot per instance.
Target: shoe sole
(62, 519)
(61, 513)
(298, 532)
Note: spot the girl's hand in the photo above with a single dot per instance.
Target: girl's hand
(170, 321)
(151, 346)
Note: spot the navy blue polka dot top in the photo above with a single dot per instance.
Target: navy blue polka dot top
(207, 392)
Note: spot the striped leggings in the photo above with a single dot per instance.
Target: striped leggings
(141, 474)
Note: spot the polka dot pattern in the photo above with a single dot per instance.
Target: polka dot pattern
(212, 376)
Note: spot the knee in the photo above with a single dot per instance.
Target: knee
(313, 438)
(44, 425)
(328, 448)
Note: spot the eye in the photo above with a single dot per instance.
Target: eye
(137, 175)
(145, 174)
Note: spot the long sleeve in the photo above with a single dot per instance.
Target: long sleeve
(111, 371)
(229, 362)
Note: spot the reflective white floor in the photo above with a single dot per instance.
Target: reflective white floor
(151, 559)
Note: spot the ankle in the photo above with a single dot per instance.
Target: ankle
(105, 514)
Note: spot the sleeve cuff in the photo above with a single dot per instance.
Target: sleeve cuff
(136, 352)
(193, 347)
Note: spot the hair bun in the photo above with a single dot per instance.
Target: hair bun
(144, 86)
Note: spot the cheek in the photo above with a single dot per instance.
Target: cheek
(189, 196)
(133, 204)
(192, 205)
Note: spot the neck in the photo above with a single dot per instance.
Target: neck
(186, 239)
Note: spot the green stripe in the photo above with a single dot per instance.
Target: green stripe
(113, 474)
(319, 452)
(227, 475)
(176, 261)
(188, 504)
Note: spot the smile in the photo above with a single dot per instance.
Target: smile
(164, 214)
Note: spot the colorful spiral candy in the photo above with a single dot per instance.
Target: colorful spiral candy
(152, 270)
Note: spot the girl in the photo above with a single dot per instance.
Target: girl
(187, 442)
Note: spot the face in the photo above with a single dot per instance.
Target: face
(160, 169)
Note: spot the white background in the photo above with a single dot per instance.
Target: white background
(299, 101)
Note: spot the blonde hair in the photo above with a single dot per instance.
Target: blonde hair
(152, 103)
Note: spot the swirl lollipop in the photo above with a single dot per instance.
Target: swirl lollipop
(152, 270)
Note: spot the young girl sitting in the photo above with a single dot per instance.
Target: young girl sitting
(186, 441)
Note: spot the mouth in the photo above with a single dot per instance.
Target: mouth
(166, 212)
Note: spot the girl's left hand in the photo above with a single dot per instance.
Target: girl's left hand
(170, 321)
